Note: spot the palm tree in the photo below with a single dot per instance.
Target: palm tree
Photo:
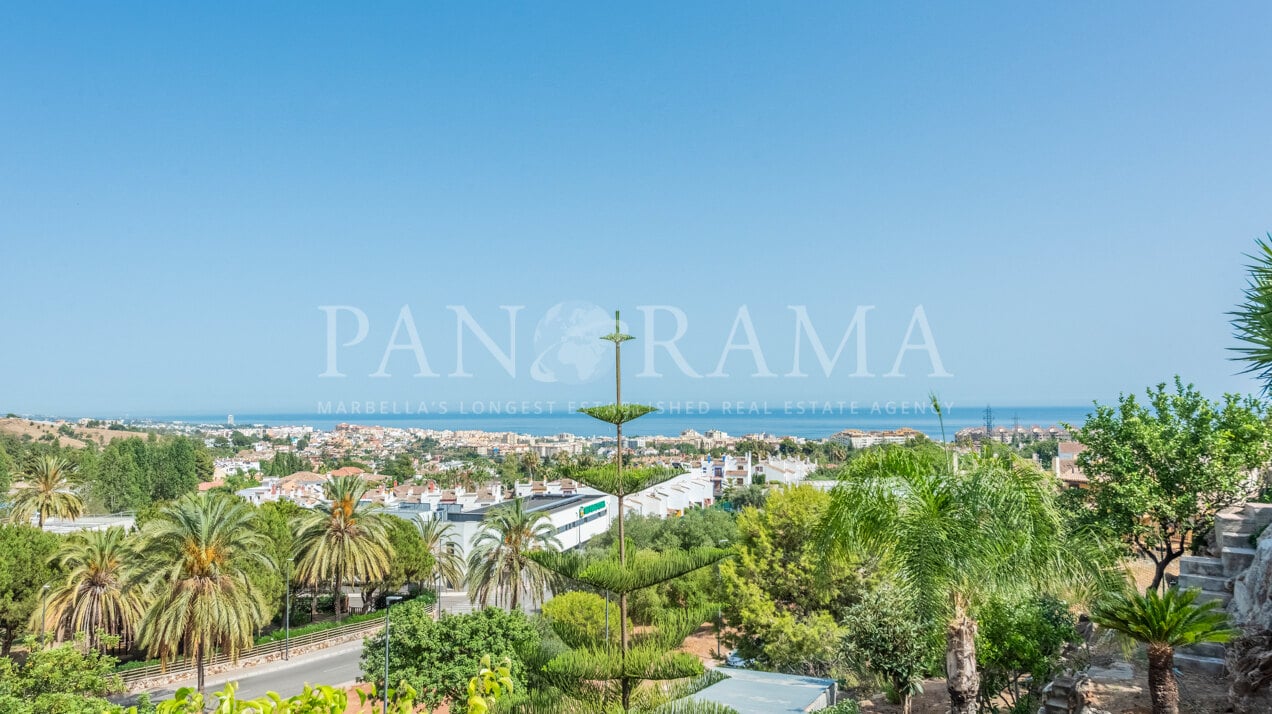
(345, 540)
(1164, 623)
(47, 492)
(1252, 320)
(439, 538)
(100, 592)
(499, 563)
(954, 537)
(192, 557)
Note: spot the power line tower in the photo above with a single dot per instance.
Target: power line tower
(989, 422)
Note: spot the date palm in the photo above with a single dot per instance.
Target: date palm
(954, 537)
(99, 592)
(1164, 623)
(344, 540)
(499, 564)
(193, 556)
(47, 492)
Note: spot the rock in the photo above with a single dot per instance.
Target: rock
(1251, 605)
(1250, 668)
(1115, 672)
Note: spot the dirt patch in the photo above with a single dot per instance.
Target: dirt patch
(81, 436)
(1199, 694)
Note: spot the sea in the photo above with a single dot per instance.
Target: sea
(777, 419)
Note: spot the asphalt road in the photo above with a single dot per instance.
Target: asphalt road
(337, 666)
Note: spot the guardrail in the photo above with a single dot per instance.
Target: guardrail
(185, 665)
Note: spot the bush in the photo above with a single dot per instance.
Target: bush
(579, 617)
(886, 640)
(1018, 649)
(844, 707)
(438, 658)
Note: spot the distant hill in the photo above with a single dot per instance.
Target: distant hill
(78, 438)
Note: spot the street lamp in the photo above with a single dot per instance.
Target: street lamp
(44, 611)
(388, 605)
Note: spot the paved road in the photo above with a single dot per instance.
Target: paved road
(336, 666)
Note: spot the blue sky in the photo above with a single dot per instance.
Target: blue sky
(1067, 191)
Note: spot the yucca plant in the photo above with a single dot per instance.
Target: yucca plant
(1164, 623)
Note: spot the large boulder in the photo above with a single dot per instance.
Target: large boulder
(1251, 605)
(1249, 657)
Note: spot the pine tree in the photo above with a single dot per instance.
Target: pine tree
(592, 673)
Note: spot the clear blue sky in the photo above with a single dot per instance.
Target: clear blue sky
(1067, 190)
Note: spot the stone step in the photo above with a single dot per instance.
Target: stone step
(1206, 665)
(1208, 595)
(1236, 559)
(1236, 539)
(1212, 583)
(1258, 513)
(1199, 565)
(1206, 649)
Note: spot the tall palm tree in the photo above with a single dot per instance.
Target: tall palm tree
(47, 492)
(193, 556)
(500, 564)
(344, 540)
(100, 592)
(954, 537)
(1164, 623)
(439, 538)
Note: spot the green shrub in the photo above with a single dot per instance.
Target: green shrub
(1018, 649)
(579, 617)
(845, 707)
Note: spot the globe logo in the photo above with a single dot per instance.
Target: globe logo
(567, 343)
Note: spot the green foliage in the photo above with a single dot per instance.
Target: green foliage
(46, 492)
(285, 463)
(411, 563)
(490, 685)
(500, 565)
(1252, 320)
(740, 497)
(439, 540)
(579, 618)
(1018, 649)
(845, 707)
(343, 540)
(98, 591)
(438, 658)
(69, 678)
(399, 467)
(605, 573)
(1172, 619)
(886, 640)
(618, 413)
(24, 570)
(268, 576)
(1162, 470)
(782, 594)
(321, 699)
(132, 473)
(605, 478)
(193, 562)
